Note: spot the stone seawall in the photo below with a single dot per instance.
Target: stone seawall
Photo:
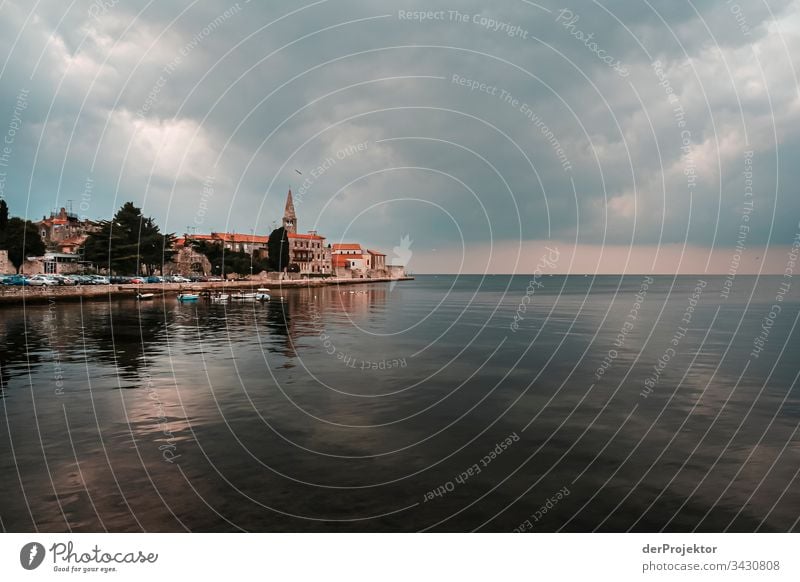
(12, 294)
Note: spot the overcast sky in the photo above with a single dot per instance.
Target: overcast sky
(632, 136)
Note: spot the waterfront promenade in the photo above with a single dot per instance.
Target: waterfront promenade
(12, 294)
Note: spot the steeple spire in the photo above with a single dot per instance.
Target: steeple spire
(289, 217)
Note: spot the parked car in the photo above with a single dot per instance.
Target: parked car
(41, 281)
(100, 280)
(180, 279)
(137, 280)
(15, 280)
(154, 279)
(62, 279)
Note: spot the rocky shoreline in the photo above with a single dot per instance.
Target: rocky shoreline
(19, 294)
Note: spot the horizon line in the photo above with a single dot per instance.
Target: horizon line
(414, 274)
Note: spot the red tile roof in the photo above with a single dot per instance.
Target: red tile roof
(306, 236)
(73, 241)
(376, 253)
(235, 237)
(339, 260)
(227, 237)
(346, 247)
(199, 237)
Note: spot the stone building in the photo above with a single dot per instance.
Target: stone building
(351, 260)
(347, 249)
(376, 261)
(308, 250)
(64, 227)
(232, 241)
(187, 261)
(6, 268)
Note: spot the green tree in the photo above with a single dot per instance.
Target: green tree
(3, 216)
(128, 243)
(278, 249)
(21, 239)
(155, 249)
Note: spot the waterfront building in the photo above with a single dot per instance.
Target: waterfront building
(232, 241)
(351, 260)
(307, 251)
(376, 260)
(347, 249)
(349, 265)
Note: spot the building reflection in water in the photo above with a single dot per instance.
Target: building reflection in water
(302, 313)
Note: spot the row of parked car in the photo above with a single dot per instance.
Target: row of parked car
(54, 280)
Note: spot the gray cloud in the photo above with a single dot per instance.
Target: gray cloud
(150, 99)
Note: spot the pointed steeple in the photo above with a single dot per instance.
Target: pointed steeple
(289, 217)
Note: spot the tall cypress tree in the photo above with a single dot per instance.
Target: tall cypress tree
(278, 249)
(3, 217)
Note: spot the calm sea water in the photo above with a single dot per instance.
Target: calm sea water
(615, 404)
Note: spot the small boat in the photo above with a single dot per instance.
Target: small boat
(188, 297)
(219, 298)
(260, 295)
(243, 296)
(144, 296)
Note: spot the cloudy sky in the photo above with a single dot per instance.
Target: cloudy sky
(646, 136)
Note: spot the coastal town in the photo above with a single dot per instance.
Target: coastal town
(66, 258)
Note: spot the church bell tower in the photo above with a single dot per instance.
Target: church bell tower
(289, 217)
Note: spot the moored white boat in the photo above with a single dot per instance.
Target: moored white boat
(144, 296)
(243, 296)
(260, 295)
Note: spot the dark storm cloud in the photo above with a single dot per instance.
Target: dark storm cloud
(569, 133)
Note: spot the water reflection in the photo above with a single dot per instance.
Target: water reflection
(26, 341)
(265, 416)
